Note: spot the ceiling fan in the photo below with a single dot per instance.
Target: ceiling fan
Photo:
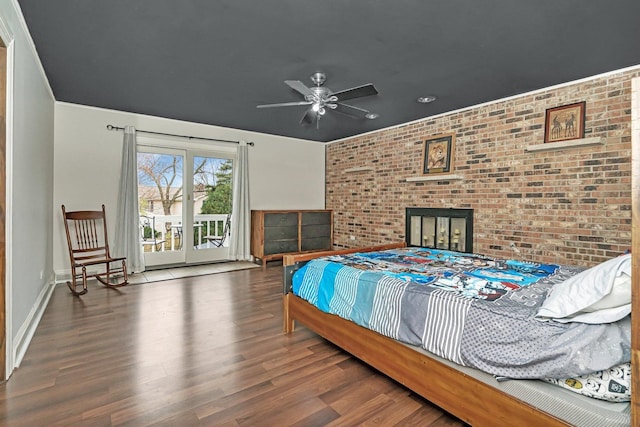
(321, 99)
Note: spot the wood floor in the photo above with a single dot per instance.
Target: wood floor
(199, 351)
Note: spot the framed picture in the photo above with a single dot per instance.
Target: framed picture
(438, 154)
(563, 123)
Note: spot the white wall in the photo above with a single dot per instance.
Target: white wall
(62, 153)
(29, 185)
(284, 173)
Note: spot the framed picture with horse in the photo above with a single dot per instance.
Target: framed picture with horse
(438, 154)
(564, 123)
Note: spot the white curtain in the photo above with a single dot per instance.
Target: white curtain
(127, 239)
(240, 212)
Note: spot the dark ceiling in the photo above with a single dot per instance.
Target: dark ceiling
(212, 62)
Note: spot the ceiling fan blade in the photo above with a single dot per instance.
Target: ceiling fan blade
(308, 117)
(350, 110)
(284, 104)
(298, 86)
(356, 92)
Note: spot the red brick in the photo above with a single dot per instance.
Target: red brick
(577, 211)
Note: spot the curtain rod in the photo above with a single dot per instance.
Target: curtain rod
(111, 127)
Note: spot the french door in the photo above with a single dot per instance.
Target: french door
(185, 205)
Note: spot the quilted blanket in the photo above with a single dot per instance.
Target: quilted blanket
(474, 310)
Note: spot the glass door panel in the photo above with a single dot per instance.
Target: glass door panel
(442, 229)
(414, 239)
(210, 192)
(160, 198)
(458, 234)
(428, 231)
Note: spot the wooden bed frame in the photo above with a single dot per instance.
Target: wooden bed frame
(468, 398)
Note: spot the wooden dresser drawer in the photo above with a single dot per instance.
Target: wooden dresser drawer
(316, 244)
(280, 233)
(281, 219)
(312, 231)
(280, 246)
(310, 218)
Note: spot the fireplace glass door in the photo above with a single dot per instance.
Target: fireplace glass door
(441, 228)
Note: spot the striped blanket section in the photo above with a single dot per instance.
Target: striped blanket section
(471, 309)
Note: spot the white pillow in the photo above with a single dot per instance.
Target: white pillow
(601, 294)
(613, 384)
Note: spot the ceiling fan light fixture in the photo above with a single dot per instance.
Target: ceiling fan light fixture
(426, 99)
(319, 78)
(320, 99)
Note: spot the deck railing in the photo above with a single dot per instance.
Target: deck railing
(170, 233)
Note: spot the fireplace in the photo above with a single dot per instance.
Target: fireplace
(441, 228)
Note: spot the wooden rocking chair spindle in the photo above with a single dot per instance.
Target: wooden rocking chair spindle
(89, 249)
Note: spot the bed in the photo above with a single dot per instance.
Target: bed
(472, 395)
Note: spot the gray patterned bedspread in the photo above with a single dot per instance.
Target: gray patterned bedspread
(474, 310)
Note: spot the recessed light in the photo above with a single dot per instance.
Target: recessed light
(372, 116)
(426, 99)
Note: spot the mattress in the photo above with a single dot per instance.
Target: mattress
(573, 408)
(470, 309)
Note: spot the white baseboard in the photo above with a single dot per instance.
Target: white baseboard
(28, 328)
(60, 276)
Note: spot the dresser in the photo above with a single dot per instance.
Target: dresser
(275, 233)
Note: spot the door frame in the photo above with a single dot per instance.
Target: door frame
(190, 149)
(7, 356)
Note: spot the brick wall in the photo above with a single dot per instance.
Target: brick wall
(571, 205)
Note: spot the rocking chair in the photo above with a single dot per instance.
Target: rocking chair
(89, 248)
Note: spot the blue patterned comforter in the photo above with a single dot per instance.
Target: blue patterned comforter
(474, 310)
